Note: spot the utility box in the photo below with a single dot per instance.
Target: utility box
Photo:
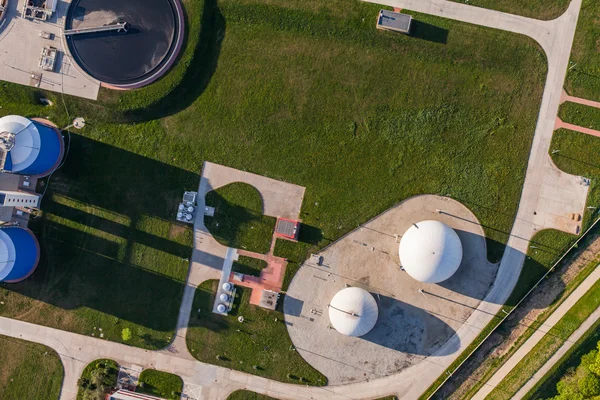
(393, 21)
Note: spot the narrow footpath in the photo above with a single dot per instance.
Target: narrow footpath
(552, 320)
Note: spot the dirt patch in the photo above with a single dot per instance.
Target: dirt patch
(176, 230)
(500, 345)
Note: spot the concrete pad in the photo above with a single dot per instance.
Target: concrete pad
(22, 45)
(280, 199)
(411, 325)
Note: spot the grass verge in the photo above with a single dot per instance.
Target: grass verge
(546, 347)
(160, 384)
(29, 370)
(582, 78)
(546, 387)
(260, 345)
(579, 114)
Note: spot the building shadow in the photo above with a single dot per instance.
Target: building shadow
(79, 270)
(197, 75)
(109, 239)
(409, 329)
(431, 33)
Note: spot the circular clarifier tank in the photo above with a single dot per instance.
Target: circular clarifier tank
(125, 59)
(19, 254)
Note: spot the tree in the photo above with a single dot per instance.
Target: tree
(589, 385)
(126, 334)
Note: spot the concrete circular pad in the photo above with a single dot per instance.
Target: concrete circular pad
(416, 319)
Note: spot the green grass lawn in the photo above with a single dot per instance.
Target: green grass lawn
(583, 76)
(97, 379)
(29, 371)
(296, 91)
(249, 266)
(260, 345)
(239, 221)
(578, 114)
(160, 384)
(564, 368)
(248, 395)
(539, 9)
(548, 345)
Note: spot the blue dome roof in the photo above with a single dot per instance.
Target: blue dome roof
(37, 148)
(19, 253)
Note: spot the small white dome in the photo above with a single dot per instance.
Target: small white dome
(224, 297)
(227, 286)
(221, 308)
(353, 311)
(430, 251)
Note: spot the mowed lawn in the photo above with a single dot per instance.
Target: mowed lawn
(29, 371)
(307, 92)
(258, 345)
(583, 76)
(538, 9)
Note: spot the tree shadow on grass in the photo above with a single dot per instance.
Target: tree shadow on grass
(198, 74)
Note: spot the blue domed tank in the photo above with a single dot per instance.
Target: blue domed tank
(30, 147)
(19, 254)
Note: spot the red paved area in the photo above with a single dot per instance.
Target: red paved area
(565, 97)
(271, 277)
(560, 124)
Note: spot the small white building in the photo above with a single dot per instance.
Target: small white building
(430, 251)
(353, 311)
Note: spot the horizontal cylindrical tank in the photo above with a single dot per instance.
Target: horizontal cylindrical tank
(19, 254)
(31, 147)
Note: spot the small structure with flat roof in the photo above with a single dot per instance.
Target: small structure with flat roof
(394, 21)
(287, 228)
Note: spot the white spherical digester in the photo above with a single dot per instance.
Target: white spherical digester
(353, 311)
(430, 251)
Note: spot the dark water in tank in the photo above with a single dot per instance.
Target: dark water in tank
(122, 58)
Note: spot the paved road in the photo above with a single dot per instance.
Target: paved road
(538, 335)
(542, 178)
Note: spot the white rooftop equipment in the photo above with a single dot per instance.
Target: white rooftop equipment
(227, 286)
(224, 297)
(221, 308)
(430, 251)
(353, 311)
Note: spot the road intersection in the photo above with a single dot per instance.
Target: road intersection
(548, 196)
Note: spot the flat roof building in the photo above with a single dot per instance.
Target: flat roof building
(393, 21)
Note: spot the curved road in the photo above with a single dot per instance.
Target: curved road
(542, 178)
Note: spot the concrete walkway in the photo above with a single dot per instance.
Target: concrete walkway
(548, 192)
(570, 342)
(572, 99)
(552, 320)
(565, 125)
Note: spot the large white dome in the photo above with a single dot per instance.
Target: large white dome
(430, 251)
(353, 311)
